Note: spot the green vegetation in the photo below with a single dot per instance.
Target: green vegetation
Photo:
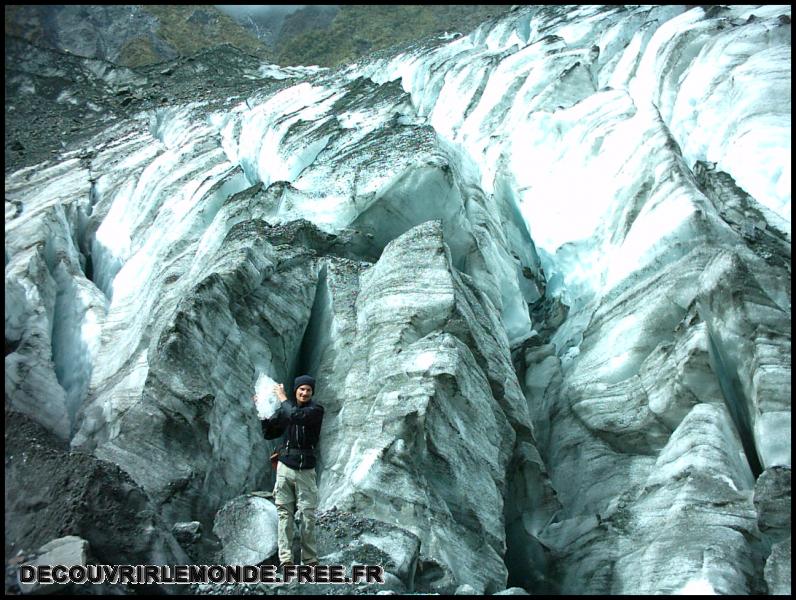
(189, 29)
(180, 30)
(323, 35)
(138, 52)
(359, 29)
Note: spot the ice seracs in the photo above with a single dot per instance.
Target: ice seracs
(541, 272)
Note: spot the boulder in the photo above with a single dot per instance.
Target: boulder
(247, 527)
(67, 551)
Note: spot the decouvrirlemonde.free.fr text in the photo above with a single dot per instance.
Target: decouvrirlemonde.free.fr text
(166, 574)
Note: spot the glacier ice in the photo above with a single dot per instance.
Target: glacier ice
(541, 272)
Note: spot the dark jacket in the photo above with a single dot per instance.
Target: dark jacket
(301, 430)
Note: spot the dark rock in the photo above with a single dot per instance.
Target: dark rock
(187, 533)
(773, 502)
(778, 569)
(52, 492)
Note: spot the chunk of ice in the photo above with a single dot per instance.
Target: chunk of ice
(267, 402)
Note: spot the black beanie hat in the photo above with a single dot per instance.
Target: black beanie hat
(303, 380)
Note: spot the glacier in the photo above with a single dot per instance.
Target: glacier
(540, 271)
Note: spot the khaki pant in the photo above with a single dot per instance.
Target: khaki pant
(294, 485)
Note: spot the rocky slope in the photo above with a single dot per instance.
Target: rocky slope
(331, 35)
(540, 271)
(129, 35)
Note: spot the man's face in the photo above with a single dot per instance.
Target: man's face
(303, 394)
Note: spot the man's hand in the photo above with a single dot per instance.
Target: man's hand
(279, 390)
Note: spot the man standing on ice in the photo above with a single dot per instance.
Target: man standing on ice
(299, 421)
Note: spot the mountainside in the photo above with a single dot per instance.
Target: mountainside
(541, 272)
(325, 35)
(129, 35)
(82, 67)
(56, 99)
(332, 35)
